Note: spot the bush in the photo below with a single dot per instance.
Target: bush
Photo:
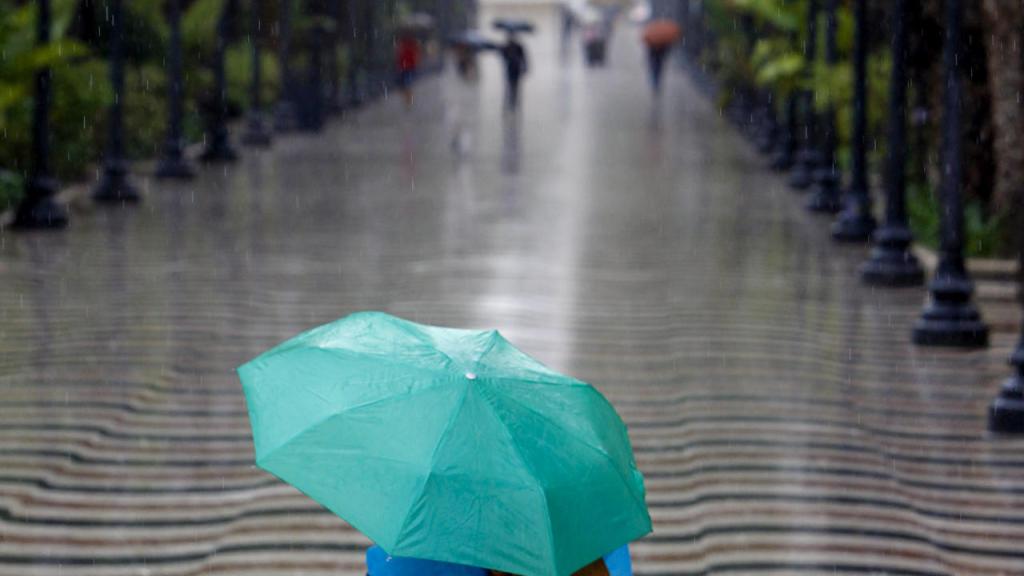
(80, 94)
(12, 185)
(986, 236)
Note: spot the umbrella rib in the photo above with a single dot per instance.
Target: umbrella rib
(585, 442)
(345, 410)
(495, 337)
(433, 457)
(526, 464)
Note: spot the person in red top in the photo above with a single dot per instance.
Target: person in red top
(407, 60)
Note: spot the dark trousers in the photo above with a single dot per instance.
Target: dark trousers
(512, 94)
(656, 56)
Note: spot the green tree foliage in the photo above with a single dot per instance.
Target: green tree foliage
(775, 61)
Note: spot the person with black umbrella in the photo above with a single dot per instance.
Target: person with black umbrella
(513, 53)
(516, 66)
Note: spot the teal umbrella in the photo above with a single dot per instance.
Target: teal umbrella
(447, 445)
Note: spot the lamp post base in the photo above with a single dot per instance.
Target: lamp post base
(285, 118)
(1006, 413)
(803, 170)
(256, 133)
(218, 149)
(825, 197)
(891, 263)
(38, 211)
(854, 224)
(174, 167)
(950, 319)
(946, 326)
(114, 187)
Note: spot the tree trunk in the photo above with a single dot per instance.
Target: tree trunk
(1005, 20)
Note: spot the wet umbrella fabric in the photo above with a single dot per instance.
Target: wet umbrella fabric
(446, 444)
(512, 25)
(661, 32)
(473, 40)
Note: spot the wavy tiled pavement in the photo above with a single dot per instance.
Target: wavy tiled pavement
(783, 421)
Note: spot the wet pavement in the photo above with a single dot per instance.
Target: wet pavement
(782, 419)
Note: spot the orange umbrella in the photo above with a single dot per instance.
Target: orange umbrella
(661, 32)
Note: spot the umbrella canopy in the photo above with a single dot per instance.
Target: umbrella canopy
(417, 23)
(512, 25)
(473, 40)
(447, 445)
(661, 32)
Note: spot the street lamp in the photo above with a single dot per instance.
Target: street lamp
(173, 163)
(825, 197)
(808, 157)
(856, 223)
(114, 187)
(37, 209)
(218, 143)
(950, 319)
(284, 112)
(256, 132)
(892, 263)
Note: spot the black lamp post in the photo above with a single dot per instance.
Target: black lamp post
(768, 125)
(334, 70)
(825, 197)
(284, 111)
(311, 115)
(173, 163)
(37, 209)
(114, 187)
(808, 157)
(951, 319)
(891, 262)
(218, 142)
(856, 222)
(1007, 411)
(785, 144)
(683, 15)
(256, 131)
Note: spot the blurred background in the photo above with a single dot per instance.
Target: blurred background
(782, 237)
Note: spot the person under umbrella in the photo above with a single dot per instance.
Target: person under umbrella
(448, 446)
(407, 58)
(659, 36)
(516, 65)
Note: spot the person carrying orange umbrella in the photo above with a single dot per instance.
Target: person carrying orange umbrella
(659, 36)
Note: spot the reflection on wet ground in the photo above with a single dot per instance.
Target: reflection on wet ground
(782, 419)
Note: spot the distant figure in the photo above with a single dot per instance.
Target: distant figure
(656, 61)
(568, 23)
(516, 65)
(659, 36)
(407, 61)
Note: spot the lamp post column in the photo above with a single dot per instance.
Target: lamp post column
(284, 112)
(37, 209)
(218, 143)
(892, 263)
(950, 319)
(114, 187)
(173, 163)
(808, 157)
(257, 133)
(856, 222)
(825, 197)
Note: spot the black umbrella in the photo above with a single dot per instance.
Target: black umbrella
(472, 40)
(512, 26)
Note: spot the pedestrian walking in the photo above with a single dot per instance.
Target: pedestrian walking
(516, 66)
(407, 55)
(659, 36)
